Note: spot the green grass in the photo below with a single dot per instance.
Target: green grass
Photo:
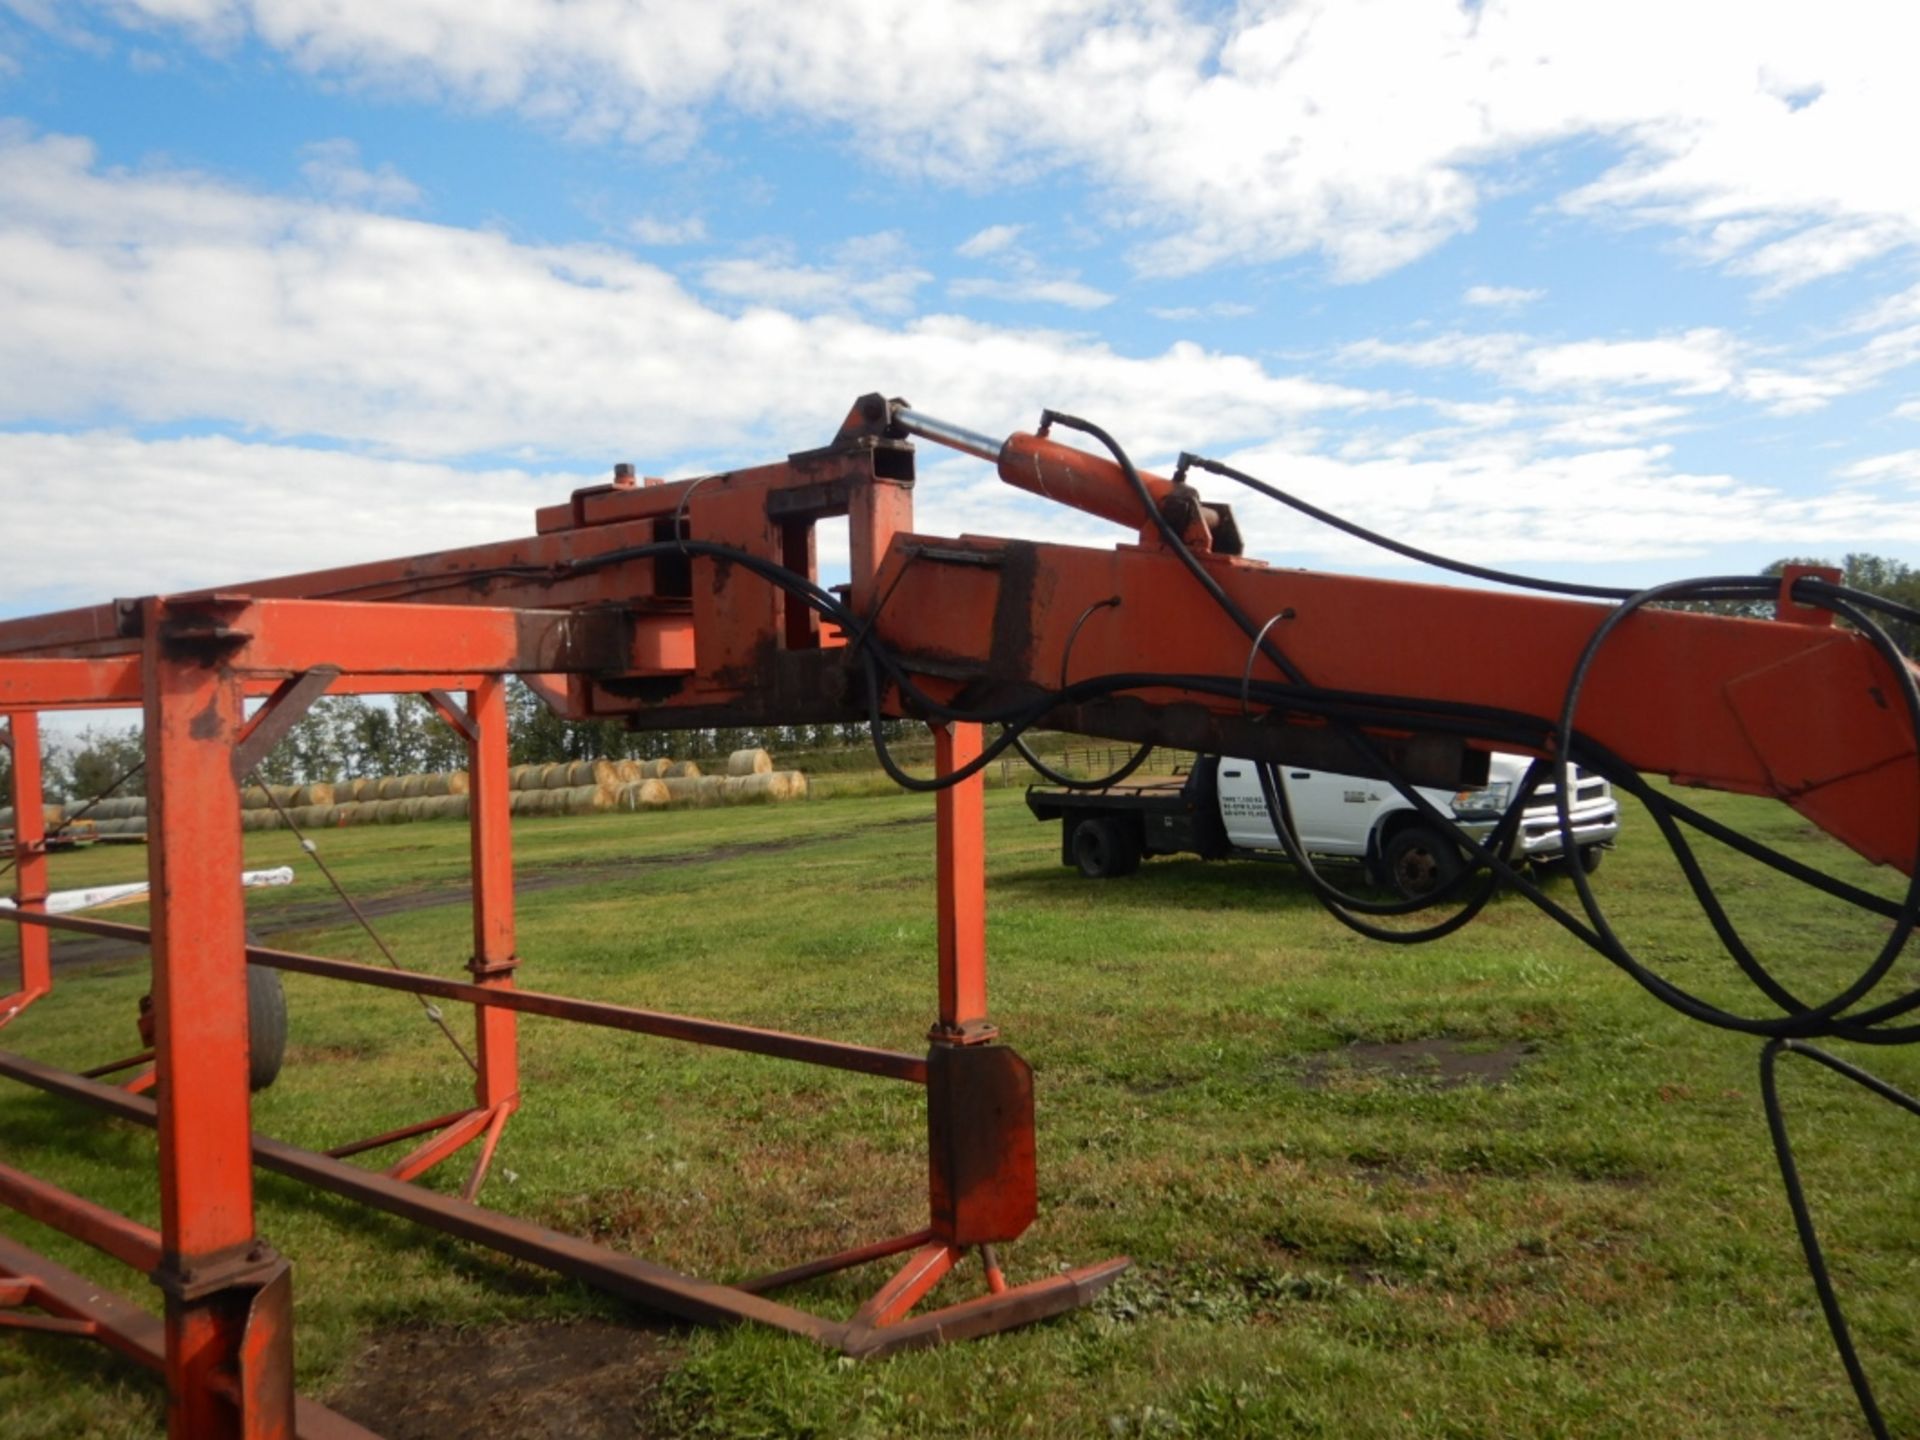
(1597, 1246)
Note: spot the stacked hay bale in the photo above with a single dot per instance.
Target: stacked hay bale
(573, 787)
(54, 815)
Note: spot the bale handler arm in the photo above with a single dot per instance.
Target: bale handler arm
(701, 602)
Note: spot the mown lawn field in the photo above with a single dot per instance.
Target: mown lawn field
(1559, 1216)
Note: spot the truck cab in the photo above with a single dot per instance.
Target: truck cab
(1218, 810)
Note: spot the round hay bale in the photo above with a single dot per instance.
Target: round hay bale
(520, 802)
(645, 795)
(523, 777)
(389, 788)
(627, 772)
(555, 776)
(433, 786)
(587, 799)
(750, 789)
(389, 812)
(682, 770)
(458, 783)
(318, 793)
(749, 762)
(411, 786)
(655, 769)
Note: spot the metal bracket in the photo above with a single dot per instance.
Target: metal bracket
(489, 970)
(455, 714)
(278, 716)
(251, 1267)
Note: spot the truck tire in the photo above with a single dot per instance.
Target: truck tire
(1418, 862)
(1590, 858)
(266, 1024)
(1104, 847)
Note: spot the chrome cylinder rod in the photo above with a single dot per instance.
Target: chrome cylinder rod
(954, 437)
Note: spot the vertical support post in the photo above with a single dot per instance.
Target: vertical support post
(960, 858)
(229, 1361)
(30, 863)
(876, 512)
(494, 960)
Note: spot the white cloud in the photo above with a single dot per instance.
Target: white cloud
(1032, 290)
(178, 514)
(1903, 465)
(1500, 296)
(1822, 250)
(988, 241)
(1218, 310)
(1700, 362)
(1250, 132)
(407, 347)
(333, 169)
(159, 297)
(1500, 502)
(812, 288)
(656, 230)
(1908, 411)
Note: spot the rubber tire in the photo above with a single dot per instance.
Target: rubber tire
(1418, 862)
(1104, 848)
(266, 1026)
(1590, 858)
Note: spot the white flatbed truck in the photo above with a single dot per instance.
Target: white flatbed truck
(1216, 810)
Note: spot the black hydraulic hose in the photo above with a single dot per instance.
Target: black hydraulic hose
(1329, 895)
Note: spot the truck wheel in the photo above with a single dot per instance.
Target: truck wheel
(266, 1024)
(1590, 858)
(1419, 862)
(1105, 848)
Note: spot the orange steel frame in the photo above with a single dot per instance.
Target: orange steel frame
(605, 627)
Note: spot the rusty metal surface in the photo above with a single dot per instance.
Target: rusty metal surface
(126, 1240)
(125, 1327)
(990, 1314)
(981, 1154)
(648, 1284)
(827, 1265)
(651, 1285)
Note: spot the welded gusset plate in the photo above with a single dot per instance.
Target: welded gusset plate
(980, 1144)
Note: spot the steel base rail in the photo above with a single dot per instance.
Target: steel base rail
(654, 1286)
(71, 1304)
(835, 1054)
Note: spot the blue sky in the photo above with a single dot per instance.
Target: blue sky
(1624, 293)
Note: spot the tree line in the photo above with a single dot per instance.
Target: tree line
(346, 737)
